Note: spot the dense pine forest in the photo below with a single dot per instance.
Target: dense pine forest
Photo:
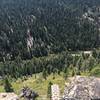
(52, 25)
(40, 36)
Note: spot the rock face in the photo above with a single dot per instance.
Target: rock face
(82, 88)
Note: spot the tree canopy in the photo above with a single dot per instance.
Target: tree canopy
(54, 26)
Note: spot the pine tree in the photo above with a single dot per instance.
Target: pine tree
(73, 73)
(65, 73)
(44, 74)
(49, 90)
(7, 85)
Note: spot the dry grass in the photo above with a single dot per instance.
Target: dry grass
(37, 84)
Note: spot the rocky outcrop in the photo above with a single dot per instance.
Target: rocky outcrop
(8, 96)
(82, 88)
(55, 91)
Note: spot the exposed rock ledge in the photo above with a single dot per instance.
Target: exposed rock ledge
(82, 88)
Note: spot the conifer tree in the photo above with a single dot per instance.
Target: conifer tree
(49, 90)
(44, 74)
(65, 73)
(7, 85)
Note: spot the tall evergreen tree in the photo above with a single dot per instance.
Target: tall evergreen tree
(7, 85)
(49, 90)
(44, 74)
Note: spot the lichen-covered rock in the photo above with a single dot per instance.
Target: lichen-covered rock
(82, 88)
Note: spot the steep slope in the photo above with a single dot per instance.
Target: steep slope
(55, 25)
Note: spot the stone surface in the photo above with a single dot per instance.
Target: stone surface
(82, 88)
(55, 91)
(8, 96)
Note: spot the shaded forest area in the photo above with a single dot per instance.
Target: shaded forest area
(53, 64)
(55, 26)
(40, 35)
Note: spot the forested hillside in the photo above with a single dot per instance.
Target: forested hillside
(40, 27)
(44, 42)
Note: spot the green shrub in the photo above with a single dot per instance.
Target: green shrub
(95, 72)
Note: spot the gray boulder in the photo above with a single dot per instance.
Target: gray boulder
(82, 88)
